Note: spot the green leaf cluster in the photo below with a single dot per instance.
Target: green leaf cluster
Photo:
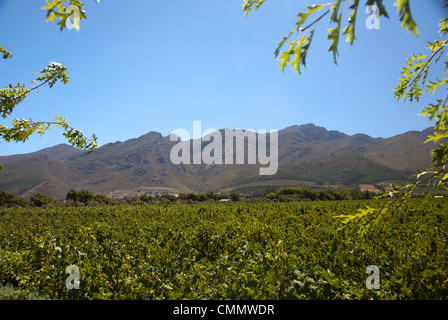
(6, 54)
(11, 96)
(40, 200)
(414, 84)
(299, 47)
(407, 22)
(63, 10)
(248, 5)
(10, 200)
(297, 51)
(20, 129)
(85, 196)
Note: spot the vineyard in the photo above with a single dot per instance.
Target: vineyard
(293, 250)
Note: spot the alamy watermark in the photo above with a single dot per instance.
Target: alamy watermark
(74, 16)
(189, 151)
(373, 20)
(73, 13)
(373, 280)
(72, 281)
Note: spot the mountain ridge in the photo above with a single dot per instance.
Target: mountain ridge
(307, 153)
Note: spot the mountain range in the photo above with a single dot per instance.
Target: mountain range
(308, 155)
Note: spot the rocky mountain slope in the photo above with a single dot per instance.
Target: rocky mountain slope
(307, 155)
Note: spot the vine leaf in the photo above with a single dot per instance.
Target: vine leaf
(304, 15)
(334, 38)
(335, 9)
(6, 54)
(286, 56)
(380, 5)
(297, 49)
(281, 43)
(350, 29)
(407, 22)
(248, 4)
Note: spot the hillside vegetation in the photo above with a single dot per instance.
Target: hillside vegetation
(223, 251)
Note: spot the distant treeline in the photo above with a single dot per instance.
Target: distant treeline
(85, 197)
(308, 194)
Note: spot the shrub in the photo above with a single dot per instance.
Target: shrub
(9, 200)
(40, 200)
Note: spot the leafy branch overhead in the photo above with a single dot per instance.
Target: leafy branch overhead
(413, 84)
(11, 96)
(6, 54)
(21, 130)
(295, 54)
(67, 12)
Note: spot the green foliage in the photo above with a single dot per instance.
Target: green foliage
(40, 200)
(66, 10)
(308, 194)
(10, 96)
(6, 54)
(350, 28)
(173, 198)
(249, 4)
(21, 129)
(380, 5)
(146, 198)
(412, 86)
(298, 52)
(193, 196)
(8, 292)
(407, 22)
(298, 49)
(224, 251)
(86, 196)
(210, 196)
(333, 36)
(9, 200)
(235, 196)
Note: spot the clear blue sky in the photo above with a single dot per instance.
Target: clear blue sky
(144, 65)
